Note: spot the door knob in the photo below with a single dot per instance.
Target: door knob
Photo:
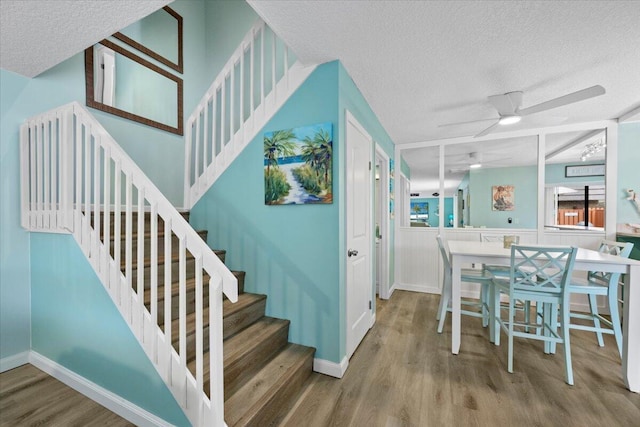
(352, 252)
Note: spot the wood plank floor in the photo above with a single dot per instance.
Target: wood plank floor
(403, 374)
(30, 397)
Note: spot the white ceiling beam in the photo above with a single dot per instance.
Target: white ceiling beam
(630, 115)
(573, 143)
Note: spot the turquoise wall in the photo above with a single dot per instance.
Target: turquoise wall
(15, 309)
(524, 214)
(228, 21)
(628, 173)
(75, 324)
(290, 252)
(404, 168)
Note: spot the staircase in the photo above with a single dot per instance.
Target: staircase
(263, 372)
(223, 360)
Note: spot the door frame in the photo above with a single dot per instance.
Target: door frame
(383, 158)
(350, 118)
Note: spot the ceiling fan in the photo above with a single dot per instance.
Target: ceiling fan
(465, 161)
(509, 106)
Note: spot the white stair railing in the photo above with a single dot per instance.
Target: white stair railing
(74, 178)
(256, 81)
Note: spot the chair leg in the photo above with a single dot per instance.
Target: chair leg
(511, 320)
(553, 316)
(495, 315)
(539, 317)
(615, 317)
(442, 292)
(567, 342)
(527, 315)
(484, 295)
(444, 304)
(593, 306)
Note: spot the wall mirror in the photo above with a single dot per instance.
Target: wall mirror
(493, 183)
(158, 35)
(424, 183)
(575, 192)
(488, 184)
(126, 85)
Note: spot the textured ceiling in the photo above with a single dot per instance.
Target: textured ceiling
(424, 64)
(419, 64)
(35, 35)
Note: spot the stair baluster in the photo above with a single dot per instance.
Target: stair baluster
(73, 177)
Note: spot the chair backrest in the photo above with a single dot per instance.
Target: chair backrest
(542, 269)
(444, 251)
(621, 249)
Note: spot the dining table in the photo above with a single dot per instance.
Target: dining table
(463, 253)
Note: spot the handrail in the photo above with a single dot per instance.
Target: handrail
(254, 83)
(74, 177)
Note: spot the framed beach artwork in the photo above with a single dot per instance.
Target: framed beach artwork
(503, 198)
(298, 165)
(392, 178)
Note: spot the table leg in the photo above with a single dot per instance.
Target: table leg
(631, 330)
(456, 267)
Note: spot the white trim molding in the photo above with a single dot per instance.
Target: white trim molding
(332, 369)
(417, 288)
(98, 394)
(11, 362)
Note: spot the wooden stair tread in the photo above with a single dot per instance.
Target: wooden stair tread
(175, 257)
(263, 373)
(260, 393)
(147, 234)
(239, 315)
(242, 345)
(228, 309)
(190, 285)
(244, 300)
(239, 344)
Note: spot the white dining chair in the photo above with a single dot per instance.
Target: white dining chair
(468, 275)
(605, 284)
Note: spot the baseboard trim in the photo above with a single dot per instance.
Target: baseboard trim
(393, 288)
(14, 361)
(104, 397)
(416, 288)
(332, 369)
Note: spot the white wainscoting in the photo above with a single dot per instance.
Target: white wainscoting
(419, 267)
(418, 263)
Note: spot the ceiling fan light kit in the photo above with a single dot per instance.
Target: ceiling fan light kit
(592, 149)
(509, 120)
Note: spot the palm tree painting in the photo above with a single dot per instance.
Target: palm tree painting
(298, 165)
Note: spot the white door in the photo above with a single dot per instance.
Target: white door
(359, 262)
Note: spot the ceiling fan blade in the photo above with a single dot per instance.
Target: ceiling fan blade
(578, 96)
(487, 130)
(506, 104)
(466, 123)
